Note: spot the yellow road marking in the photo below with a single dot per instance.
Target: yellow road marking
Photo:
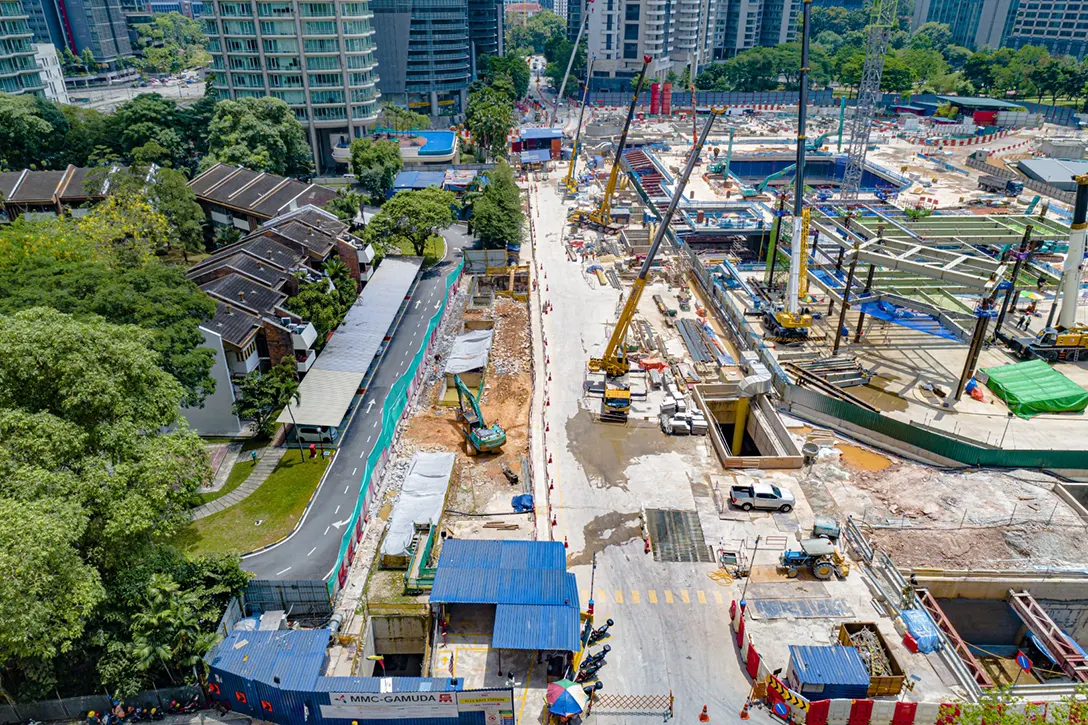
(619, 596)
(684, 596)
(634, 597)
(668, 596)
(652, 594)
(700, 596)
(600, 595)
(718, 598)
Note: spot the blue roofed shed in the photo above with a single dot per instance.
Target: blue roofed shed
(827, 672)
(535, 598)
(528, 134)
(414, 180)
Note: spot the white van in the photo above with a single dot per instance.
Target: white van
(316, 434)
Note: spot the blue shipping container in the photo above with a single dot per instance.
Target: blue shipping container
(827, 672)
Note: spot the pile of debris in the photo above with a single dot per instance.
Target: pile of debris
(511, 352)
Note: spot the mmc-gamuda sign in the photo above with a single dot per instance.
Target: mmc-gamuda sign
(380, 705)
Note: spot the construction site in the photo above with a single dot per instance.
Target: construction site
(824, 367)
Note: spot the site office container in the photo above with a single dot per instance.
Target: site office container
(827, 673)
(885, 684)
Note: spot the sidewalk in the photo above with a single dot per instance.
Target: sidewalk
(260, 473)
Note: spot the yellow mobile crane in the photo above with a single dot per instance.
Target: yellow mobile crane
(570, 185)
(600, 218)
(614, 364)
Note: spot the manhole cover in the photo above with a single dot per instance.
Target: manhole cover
(677, 536)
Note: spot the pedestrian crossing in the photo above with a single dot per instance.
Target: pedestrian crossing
(651, 597)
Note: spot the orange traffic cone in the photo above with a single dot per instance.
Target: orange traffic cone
(744, 711)
(703, 716)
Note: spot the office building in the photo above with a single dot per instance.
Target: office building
(52, 74)
(1060, 27)
(745, 24)
(560, 8)
(318, 57)
(573, 14)
(18, 71)
(974, 23)
(428, 49)
(81, 24)
(674, 33)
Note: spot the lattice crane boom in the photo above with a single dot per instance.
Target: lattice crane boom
(882, 22)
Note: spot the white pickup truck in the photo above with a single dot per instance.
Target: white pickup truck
(761, 496)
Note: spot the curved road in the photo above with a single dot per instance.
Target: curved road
(310, 551)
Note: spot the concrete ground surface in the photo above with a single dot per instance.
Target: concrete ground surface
(310, 551)
(268, 459)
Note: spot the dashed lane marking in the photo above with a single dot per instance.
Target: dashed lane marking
(652, 596)
(668, 596)
(635, 597)
(701, 596)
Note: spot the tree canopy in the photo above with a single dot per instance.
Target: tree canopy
(90, 492)
(496, 215)
(413, 216)
(509, 67)
(489, 118)
(261, 134)
(263, 395)
(172, 43)
(376, 165)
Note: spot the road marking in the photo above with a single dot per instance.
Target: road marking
(652, 594)
(368, 442)
(312, 550)
(375, 423)
(370, 405)
(347, 487)
(406, 353)
(619, 596)
(419, 323)
(700, 596)
(417, 302)
(337, 510)
(684, 596)
(326, 530)
(281, 573)
(363, 453)
(718, 598)
(668, 596)
(338, 524)
(635, 597)
(354, 469)
(601, 596)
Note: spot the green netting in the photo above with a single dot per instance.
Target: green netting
(1033, 387)
(392, 409)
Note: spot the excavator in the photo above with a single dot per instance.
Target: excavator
(614, 363)
(479, 436)
(570, 184)
(600, 219)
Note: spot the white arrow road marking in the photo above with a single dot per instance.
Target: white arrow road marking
(438, 304)
(417, 302)
(370, 405)
(337, 524)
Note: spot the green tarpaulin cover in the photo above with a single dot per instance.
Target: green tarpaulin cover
(1033, 387)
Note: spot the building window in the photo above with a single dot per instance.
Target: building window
(631, 12)
(630, 51)
(608, 42)
(630, 32)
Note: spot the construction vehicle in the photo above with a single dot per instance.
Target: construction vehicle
(614, 363)
(1052, 344)
(819, 556)
(997, 185)
(1032, 204)
(776, 175)
(570, 183)
(479, 436)
(600, 219)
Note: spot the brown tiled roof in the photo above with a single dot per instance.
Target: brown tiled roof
(235, 326)
(246, 266)
(211, 177)
(259, 247)
(76, 187)
(38, 187)
(8, 179)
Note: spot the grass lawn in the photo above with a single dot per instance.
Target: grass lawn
(238, 474)
(278, 504)
(433, 252)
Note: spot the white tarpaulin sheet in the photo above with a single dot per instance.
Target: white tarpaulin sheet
(420, 502)
(470, 351)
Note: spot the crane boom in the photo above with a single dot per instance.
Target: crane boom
(602, 216)
(569, 182)
(614, 362)
(570, 62)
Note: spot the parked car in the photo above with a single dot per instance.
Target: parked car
(761, 496)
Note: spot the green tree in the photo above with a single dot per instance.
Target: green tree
(489, 118)
(400, 119)
(956, 55)
(262, 395)
(24, 134)
(261, 134)
(413, 216)
(537, 32)
(376, 165)
(927, 65)
(346, 205)
(932, 36)
(897, 76)
(511, 67)
(496, 215)
(88, 61)
(979, 69)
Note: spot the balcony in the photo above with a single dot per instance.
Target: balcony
(302, 335)
(240, 365)
(305, 360)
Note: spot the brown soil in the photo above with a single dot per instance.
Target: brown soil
(481, 486)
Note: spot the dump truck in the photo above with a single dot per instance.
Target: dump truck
(997, 185)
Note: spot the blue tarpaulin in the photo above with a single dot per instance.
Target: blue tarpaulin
(536, 156)
(522, 503)
(923, 630)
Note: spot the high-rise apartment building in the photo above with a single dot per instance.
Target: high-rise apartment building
(18, 71)
(1060, 26)
(574, 10)
(745, 24)
(427, 50)
(318, 57)
(974, 23)
(81, 24)
(674, 33)
(52, 74)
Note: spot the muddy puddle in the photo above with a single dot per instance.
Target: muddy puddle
(605, 450)
(862, 459)
(878, 394)
(605, 531)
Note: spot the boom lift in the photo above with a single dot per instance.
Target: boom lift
(600, 219)
(480, 437)
(570, 185)
(614, 364)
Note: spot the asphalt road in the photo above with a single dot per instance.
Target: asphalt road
(310, 552)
